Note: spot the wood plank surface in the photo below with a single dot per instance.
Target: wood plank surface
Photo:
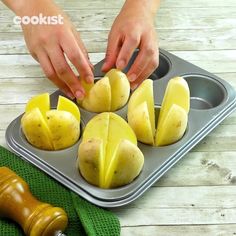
(195, 197)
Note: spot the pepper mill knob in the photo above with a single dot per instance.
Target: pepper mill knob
(17, 203)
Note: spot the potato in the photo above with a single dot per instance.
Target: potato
(173, 116)
(36, 130)
(64, 128)
(139, 117)
(107, 94)
(109, 145)
(126, 164)
(172, 127)
(177, 92)
(91, 160)
(99, 97)
(120, 88)
(51, 129)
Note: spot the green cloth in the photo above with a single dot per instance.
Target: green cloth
(84, 217)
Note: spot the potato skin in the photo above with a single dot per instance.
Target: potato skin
(64, 127)
(36, 130)
(89, 161)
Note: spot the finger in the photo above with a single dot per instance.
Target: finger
(81, 44)
(77, 57)
(64, 72)
(147, 71)
(148, 55)
(112, 52)
(126, 51)
(51, 73)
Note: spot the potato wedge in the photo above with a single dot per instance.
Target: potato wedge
(172, 127)
(144, 93)
(41, 101)
(140, 122)
(65, 104)
(36, 130)
(125, 165)
(177, 92)
(91, 161)
(60, 123)
(120, 88)
(99, 97)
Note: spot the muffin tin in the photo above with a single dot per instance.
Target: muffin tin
(212, 100)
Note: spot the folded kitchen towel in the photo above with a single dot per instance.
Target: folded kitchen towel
(84, 217)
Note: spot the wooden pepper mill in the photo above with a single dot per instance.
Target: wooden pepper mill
(35, 217)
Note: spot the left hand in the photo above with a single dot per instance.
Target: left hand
(133, 28)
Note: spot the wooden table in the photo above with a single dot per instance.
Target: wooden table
(198, 195)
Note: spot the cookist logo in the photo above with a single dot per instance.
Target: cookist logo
(38, 20)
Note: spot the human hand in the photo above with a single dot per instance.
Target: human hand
(51, 44)
(133, 28)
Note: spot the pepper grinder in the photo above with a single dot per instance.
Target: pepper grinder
(17, 203)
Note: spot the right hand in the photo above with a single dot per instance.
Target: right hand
(51, 44)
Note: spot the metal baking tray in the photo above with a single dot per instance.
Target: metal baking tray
(212, 100)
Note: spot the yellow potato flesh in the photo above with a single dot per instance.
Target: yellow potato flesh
(64, 128)
(172, 127)
(36, 130)
(125, 165)
(99, 97)
(111, 130)
(139, 120)
(118, 130)
(65, 104)
(120, 88)
(177, 92)
(97, 127)
(144, 93)
(41, 101)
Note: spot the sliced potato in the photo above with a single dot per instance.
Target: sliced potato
(60, 123)
(36, 129)
(125, 166)
(172, 127)
(117, 131)
(120, 88)
(111, 130)
(177, 92)
(65, 104)
(99, 97)
(144, 93)
(91, 161)
(41, 101)
(141, 105)
(108, 94)
(51, 129)
(140, 122)
(98, 127)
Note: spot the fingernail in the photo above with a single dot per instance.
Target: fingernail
(133, 86)
(79, 95)
(89, 79)
(132, 77)
(120, 64)
(70, 95)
